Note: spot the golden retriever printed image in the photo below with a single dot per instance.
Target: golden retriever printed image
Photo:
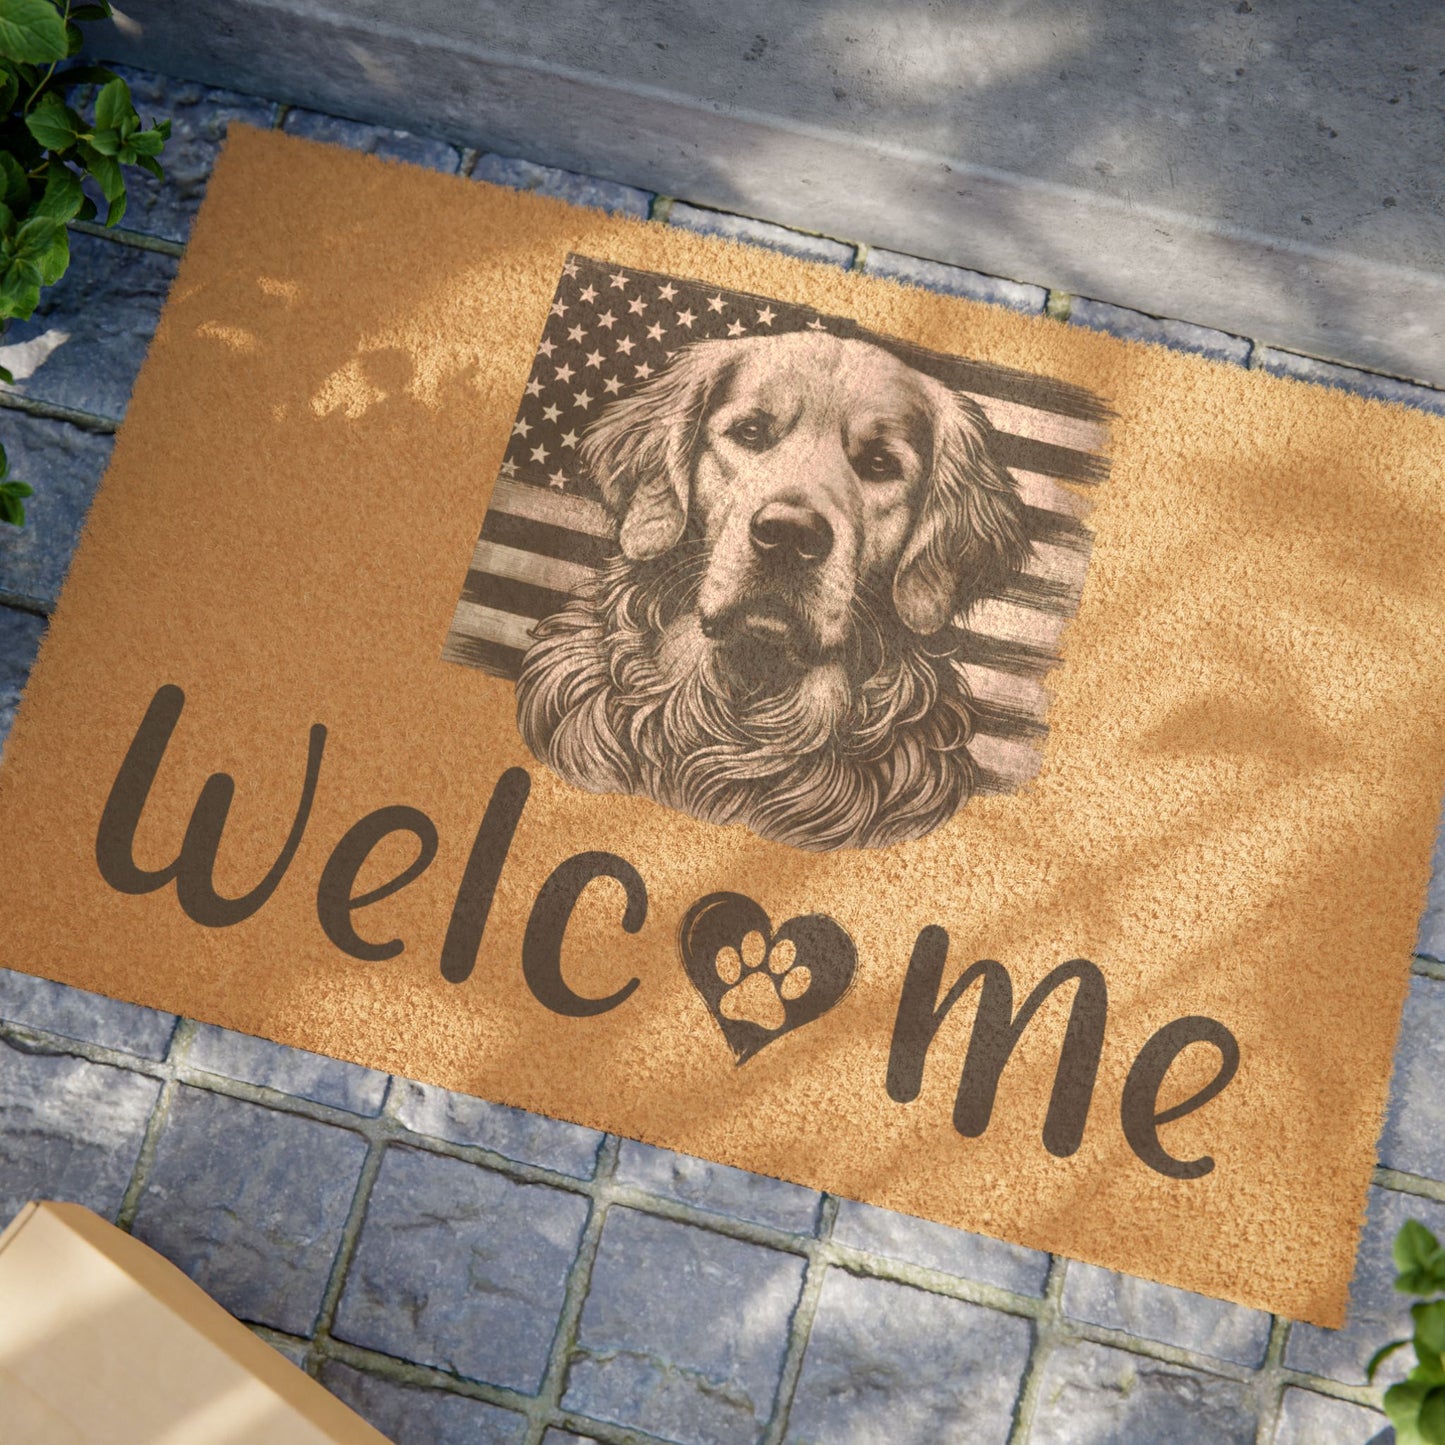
(769, 568)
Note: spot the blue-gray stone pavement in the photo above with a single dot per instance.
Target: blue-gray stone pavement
(459, 1271)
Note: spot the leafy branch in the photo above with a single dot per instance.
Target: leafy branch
(1416, 1406)
(47, 150)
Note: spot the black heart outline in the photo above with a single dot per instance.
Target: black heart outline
(725, 919)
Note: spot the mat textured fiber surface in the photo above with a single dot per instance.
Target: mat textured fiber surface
(659, 738)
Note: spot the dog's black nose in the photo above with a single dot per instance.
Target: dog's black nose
(784, 529)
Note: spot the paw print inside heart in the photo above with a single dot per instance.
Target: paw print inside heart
(759, 979)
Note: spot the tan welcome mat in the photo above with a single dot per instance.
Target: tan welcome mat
(945, 757)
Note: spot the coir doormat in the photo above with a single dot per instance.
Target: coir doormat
(945, 757)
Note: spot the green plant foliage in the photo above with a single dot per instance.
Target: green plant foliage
(1416, 1406)
(46, 151)
(12, 494)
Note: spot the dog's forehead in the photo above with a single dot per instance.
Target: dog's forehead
(814, 366)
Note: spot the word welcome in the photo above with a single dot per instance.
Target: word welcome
(995, 1033)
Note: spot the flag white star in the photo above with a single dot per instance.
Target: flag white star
(569, 268)
(594, 358)
(509, 469)
(551, 412)
(765, 316)
(654, 332)
(558, 479)
(521, 427)
(575, 334)
(619, 281)
(625, 345)
(637, 306)
(569, 439)
(539, 454)
(735, 328)
(715, 303)
(564, 373)
(533, 387)
(668, 291)
(545, 348)
(558, 309)
(582, 399)
(685, 318)
(643, 369)
(607, 319)
(589, 295)
(816, 325)
(611, 385)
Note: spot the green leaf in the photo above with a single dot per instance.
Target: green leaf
(1432, 1417)
(113, 105)
(31, 30)
(63, 196)
(107, 142)
(1429, 1326)
(1414, 1246)
(8, 379)
(1402, 1405)
(7, 221)
(74, 39)
(52, 122)
(14, 186)
(17, 488)
(92, 12)
(151, 164)
(35, 237)
(105, 171)
(12, 510)
(116, 210)
(1380, 1356)
(56, 259)
(4, 460)
(9, 89)
(87, 210)
(147, 142)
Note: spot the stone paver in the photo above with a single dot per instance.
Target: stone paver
(1171, 1316)
(684, 1331)
(717, 1187)
(513, 1133)
(376, 140)
(200, 117)
(1306, 1418)
(1414, 1135)
(69, 1130)
(889, 1363)
(250, 1203)
(90, 1017)
(522, 175)
(461, 1268)
(85, 343)
(936, 1246)
(414, 1415)
(64, 464)
(1179, 335)
(1093, 1395)
(954, 281)
(760, 233)
(1346, 378)
(1431, 942)
(20, 634)
(289, 1071)
(1378, 1313)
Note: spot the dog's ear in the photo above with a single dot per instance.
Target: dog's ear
(968, 540)
(640, 452)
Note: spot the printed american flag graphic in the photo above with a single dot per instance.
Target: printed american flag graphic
(610, 328)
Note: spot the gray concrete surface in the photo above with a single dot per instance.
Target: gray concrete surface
(1269, 170)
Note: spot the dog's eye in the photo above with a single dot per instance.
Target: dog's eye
(878, 464)
(751, 431)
